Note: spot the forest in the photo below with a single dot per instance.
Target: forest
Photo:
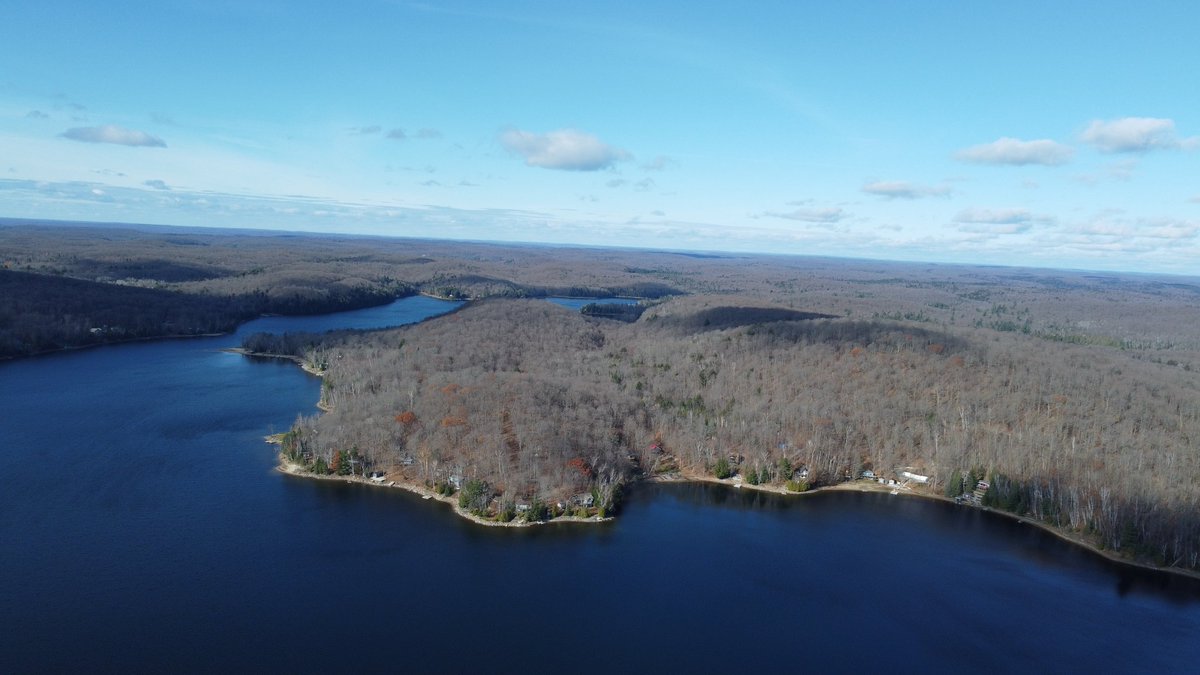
(1073, 394)
(244, 273)
(70, 285)
(530, 403)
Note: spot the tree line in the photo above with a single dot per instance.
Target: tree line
(41, 313)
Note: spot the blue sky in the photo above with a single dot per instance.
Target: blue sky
(1060, 134)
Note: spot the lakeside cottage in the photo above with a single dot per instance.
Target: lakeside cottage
(980, 491)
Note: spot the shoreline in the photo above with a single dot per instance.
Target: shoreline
(288, 468)
(871, 486)
(110, 343)
(182, 336)
(291, 469)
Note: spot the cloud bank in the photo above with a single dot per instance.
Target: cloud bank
(810, 215)
(1017, 152)
(995, 216)
(1128, 231)
(898, 189)
(114, 135)
(1136, 134)
(111, 133)
(999, 221)
(565, 149)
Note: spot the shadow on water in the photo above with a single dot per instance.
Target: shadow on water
(966, 525)
(821, 514)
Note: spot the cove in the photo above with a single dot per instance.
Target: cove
(580, 303)
(144, 528)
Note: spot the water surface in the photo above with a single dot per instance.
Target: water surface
(580, 303)
(143, 528)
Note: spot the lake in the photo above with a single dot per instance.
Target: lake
(144, 528)
(580, 303)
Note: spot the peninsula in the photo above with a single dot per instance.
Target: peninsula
(520, 411)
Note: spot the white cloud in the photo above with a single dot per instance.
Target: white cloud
(1017, 152)
(898, 189)
(1170, 228)
(999, 221)
(565, 149)
(397, 134)
(111, 133)
(1136, 134)
(989, 231)
(810, 215)
(1117, 171)
(36, 115)
(427, 134)
(157, 184)
(994, 216)
(366, 131)
(1117, 229)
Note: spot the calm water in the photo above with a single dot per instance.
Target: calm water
(142, 528)
(579, 303)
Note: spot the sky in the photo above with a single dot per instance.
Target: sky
(1046, 134)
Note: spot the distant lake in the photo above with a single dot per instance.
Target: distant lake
(580, 303)
(143, 528)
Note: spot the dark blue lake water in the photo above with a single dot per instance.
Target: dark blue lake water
(143, 528)
(579, 303)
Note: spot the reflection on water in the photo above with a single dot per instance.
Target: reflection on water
(955, 523)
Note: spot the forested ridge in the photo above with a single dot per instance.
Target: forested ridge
(40, 313)
(1149, 317)
(69, 286)
(528, 403)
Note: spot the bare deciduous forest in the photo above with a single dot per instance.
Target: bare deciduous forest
(1075, 394)
(70, 285)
